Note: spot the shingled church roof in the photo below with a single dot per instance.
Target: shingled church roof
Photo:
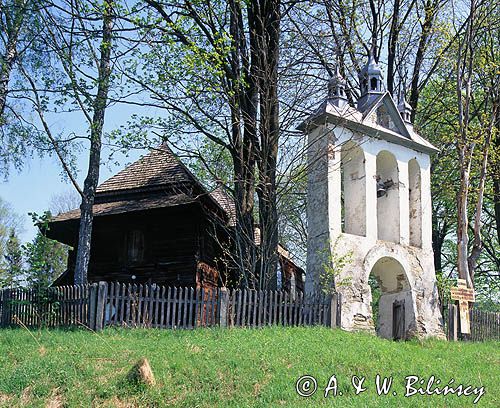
(157, 168)
(157, 180)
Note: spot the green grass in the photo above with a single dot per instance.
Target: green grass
(233, 368)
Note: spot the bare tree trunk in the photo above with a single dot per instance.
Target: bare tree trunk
(392, 42)
(477, 245)
(240, 88)
(438, 236)
(244, 143)
(267, 16)
(431, 9)
(463, 223)
(462, 216)
(90, 184)
(244, 182)
(465, 147)
(496, 198)
(496, 174)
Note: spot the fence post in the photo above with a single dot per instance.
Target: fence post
(452, 322)
(339, 310)
(457, 328)
(100, 308)
(92, 305)
(5, 317)
(224, 300)
(2, 306)
(333, 310)
(449, 323)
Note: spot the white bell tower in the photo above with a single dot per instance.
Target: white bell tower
(369, 198)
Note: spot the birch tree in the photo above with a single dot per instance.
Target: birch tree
(80, 36)
(20, 33)
(474, 139)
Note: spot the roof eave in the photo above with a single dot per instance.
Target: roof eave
(327, 117)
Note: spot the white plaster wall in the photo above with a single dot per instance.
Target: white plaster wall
(324, 227)
(318, 220)
(425, 173)
(403, 155)
(356, 296)
(404, 200)
(415, 200)
(371, 195)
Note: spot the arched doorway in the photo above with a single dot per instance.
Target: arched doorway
(392, 303)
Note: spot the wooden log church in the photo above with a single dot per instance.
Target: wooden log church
(155, 223)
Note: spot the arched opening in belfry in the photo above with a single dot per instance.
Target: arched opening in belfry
(392, 305)
(415, 203)
(353, 200)
(388, 212)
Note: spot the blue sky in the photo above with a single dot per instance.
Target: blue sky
(41, 178)
(32, 189)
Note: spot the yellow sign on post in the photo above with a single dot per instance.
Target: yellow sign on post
(464, 295)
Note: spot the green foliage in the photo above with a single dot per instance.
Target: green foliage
(10, 259)
(438, 123)
(21, 30)
(45, 258)
(444, 285)
(215, 166)
(12, 270)
(332, 266)
(233, 368)
(45, 305)
(488, 305)
(9, 221)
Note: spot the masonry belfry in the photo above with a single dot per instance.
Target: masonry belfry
(369, 196)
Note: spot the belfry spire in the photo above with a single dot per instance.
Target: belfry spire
(337, 89)
(371, 82)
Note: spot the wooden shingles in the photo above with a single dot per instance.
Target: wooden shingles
(157, 180)
(157, 168)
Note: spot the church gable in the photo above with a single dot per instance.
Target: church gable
(383, 112)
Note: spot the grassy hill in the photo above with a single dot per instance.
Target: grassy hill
(234, 368)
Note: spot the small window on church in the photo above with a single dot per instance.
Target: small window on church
(135, 246)
(373, 84)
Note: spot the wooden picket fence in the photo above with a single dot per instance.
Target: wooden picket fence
(156, 306)
(52, 307)
(483, 325)
(116, 304)
(252, 308)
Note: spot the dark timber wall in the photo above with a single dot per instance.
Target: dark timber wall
(162, 246)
